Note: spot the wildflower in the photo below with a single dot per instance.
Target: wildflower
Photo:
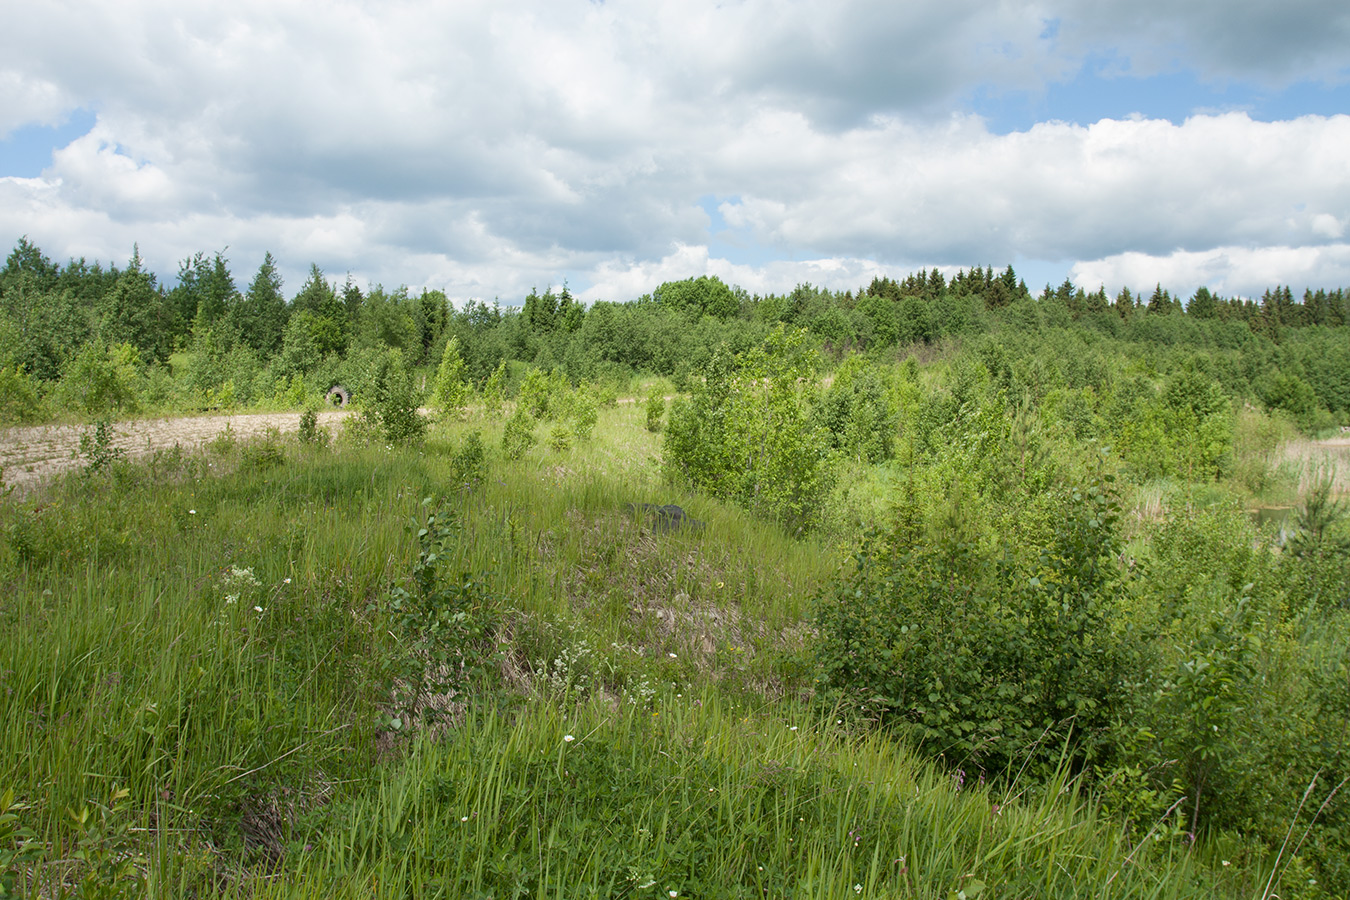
(857, 889)
(793, 728)
(674, 893)
(671, 655)
(286, 581)
(192, 512)
(568, 738)
(257, 609)
(1227, 863)
(464, 818)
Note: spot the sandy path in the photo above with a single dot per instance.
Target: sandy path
(28, 455)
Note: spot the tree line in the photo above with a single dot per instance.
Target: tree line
(207, 342)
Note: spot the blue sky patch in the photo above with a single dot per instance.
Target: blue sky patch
(1097, 93)
(26, 152)
(736, 245)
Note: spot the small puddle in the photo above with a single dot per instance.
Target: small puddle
(1276, 517)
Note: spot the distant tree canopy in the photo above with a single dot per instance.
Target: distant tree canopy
(1283, 350)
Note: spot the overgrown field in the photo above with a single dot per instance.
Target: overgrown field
(972, 592)
(296, 667)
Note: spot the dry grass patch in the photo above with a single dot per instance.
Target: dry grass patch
(1308, 462)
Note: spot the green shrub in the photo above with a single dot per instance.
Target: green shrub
(447, 620)
(990, 663)
(656, 409)
(19, 401)
(97, 448)
(537, 395)
(518, 434)
(101, 380)
(858, 414)
(560, 438)
(585, 412)
(452, 389)
(494, 390)
(748, 433)
(394, 402)
(262, 454)
(309, 432)
(469, 461)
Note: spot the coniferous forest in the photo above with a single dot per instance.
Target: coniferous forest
(975, 590)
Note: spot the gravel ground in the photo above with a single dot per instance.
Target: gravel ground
(30, 454)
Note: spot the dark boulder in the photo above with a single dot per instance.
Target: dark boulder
(664, 518)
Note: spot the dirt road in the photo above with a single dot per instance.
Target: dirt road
(29, 455)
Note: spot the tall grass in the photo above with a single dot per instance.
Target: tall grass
(211, 635)
(699, 797)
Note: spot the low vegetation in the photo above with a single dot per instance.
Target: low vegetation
(1040, 599)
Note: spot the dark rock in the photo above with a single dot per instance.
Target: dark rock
(665, 518)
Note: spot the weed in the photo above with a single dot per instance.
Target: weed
(113, 867)
(19, 848)
(97, 447)
(446, 620)
(224, 443)
(261, 455)
(309, 432)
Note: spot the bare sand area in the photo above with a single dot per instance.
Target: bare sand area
(30, 454)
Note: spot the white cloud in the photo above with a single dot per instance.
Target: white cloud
(961, 194)
(614, 280)
(25, 100)
(1228, 271)
(490, 147)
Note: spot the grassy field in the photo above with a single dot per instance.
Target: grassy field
(245, 673)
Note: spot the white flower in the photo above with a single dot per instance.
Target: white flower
(674, 893)
(793, 728)
(192, 512)
(568, 738)
(464, 818)
(286, 581)
(857, 889)
(671, 655)
(257, 609)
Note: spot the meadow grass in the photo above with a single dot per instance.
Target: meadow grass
(198, 659)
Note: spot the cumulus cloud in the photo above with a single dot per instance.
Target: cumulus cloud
(624, 280)
(1056, 191)
(490, 147)
(31, 101)
(1229, 271)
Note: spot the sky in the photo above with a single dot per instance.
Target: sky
(488, 148)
